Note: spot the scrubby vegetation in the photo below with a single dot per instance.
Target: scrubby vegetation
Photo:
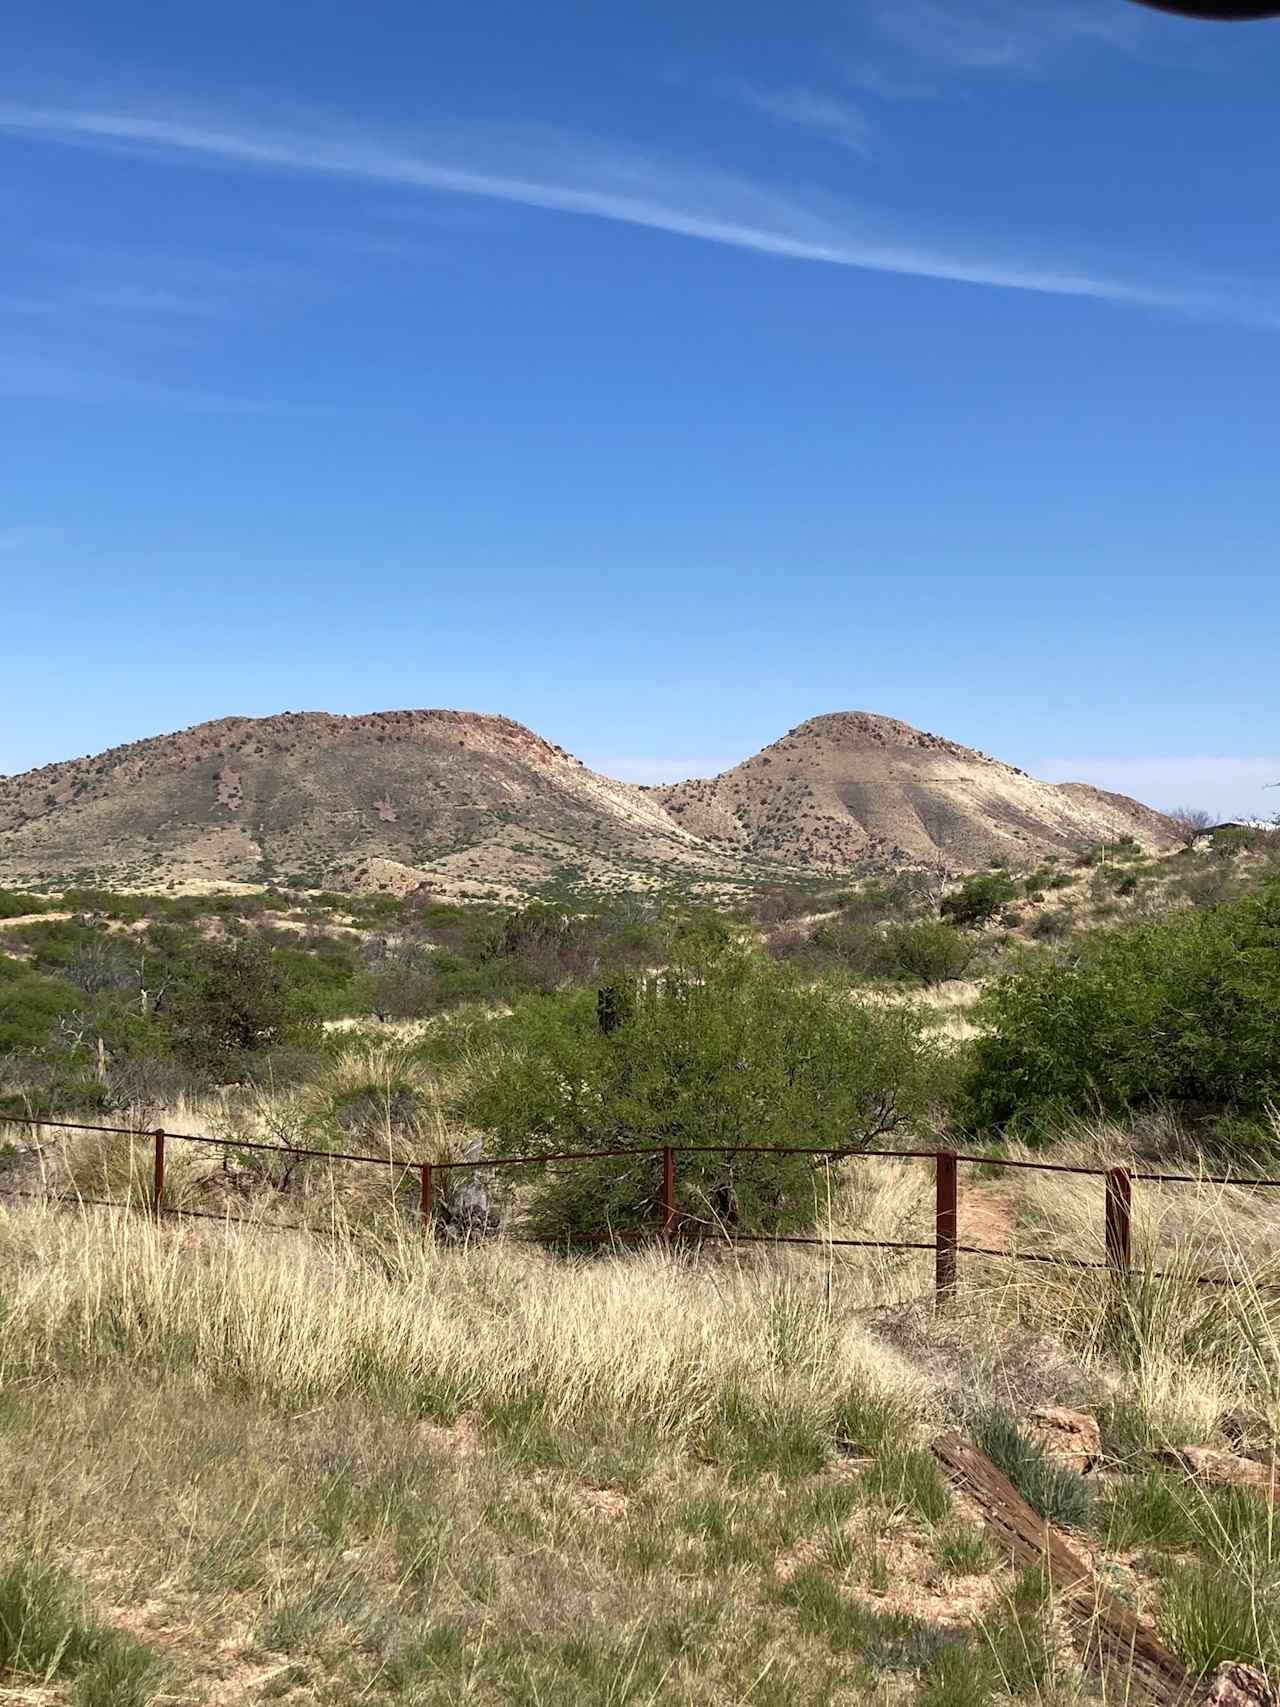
(721, 1050)
(1115, 986)
(263, 1467)
(1185, 1012)
(489, 1465)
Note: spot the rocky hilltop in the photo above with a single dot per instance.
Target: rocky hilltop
(852, 789)
(476, 804)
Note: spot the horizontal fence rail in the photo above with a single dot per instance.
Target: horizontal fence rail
(1117, 1231)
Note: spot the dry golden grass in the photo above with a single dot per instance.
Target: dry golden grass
(946, 1008)
(376, 1467)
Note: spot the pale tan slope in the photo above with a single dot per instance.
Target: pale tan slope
(853, 790)
(311, 792)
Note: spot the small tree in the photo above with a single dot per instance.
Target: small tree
(233, 1002)
(930, 951)
(1190, 823)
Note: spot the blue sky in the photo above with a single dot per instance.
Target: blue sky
(657, 375)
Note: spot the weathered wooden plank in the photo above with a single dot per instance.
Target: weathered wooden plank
(1115, 1639)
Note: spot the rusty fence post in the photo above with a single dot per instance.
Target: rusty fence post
(157, 1182)
(947, 1223)
(427, 1199)
(1119, 1222)
(668, 1190)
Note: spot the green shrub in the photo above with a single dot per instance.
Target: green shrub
(898, 897)
(399, 988)
(1052, 924)
(1118, 852)
(1185, 1012)
(232, 1002)
(1232, 839)
(978, 899)
(721, 1052)
(555, 944)
(54, 944)
(31, 1005)
(857, 943)
(929, 951)
(321, 977)
(14, 904)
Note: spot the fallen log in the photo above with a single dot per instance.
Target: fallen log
(1115, 1639)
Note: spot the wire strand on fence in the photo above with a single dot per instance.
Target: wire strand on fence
(674, 1222)
(838, 1152)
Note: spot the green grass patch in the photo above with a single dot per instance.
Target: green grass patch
(962, 1674)
(1150, 1511)
(48, 1634)
(1056, 1493)
(1209, 1615)
(1018, 1635)
(963, 1552)
(908, 1482)
(867, 1421)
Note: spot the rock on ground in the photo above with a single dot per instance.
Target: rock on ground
(1069, 1438)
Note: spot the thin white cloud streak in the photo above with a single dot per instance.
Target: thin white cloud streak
(89, 315)
(1005, 35)
(874, 79)
(710, 207)
(54, 380)
(1226, 786)
(809, 109)
(135, 283)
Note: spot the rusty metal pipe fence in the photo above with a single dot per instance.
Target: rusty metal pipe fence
(1117, 1231)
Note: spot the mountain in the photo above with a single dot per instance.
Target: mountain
(479, 805)
(392, 799)
(855, 791)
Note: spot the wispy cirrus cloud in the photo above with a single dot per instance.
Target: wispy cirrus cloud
(1005, 35)
(809, 109)
(871, 78)
(60, 379)
(566, 175)
(62, 278)
(86, 322)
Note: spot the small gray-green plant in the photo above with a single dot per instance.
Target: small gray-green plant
(1055, 1492)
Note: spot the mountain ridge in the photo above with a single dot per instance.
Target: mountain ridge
(477, 803)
